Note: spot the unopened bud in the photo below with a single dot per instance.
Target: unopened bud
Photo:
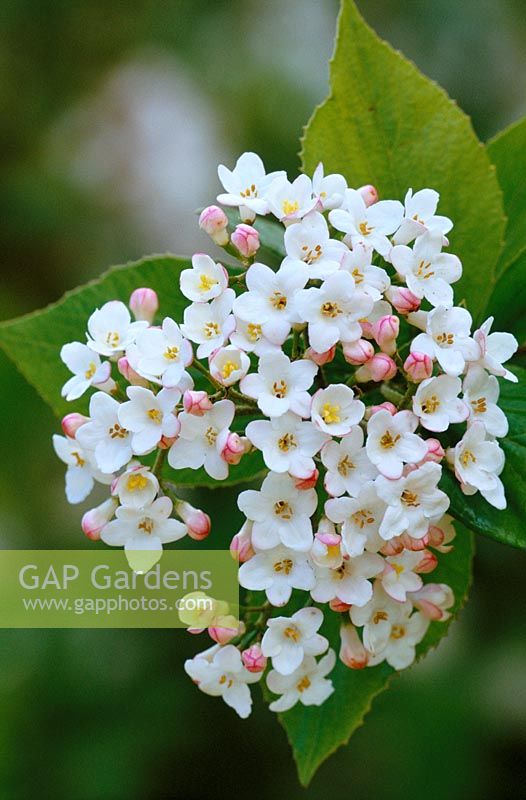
(418, 366)
(234, 449)
(246, 239)
(339, 606)
(144, 304)
(253, 659)
(214, 222)
(197, 522)
(241, 545)
(123, 365)
(357, 353)
(369, 194)
(197, 403)
(386, 406)
(385, 330)
(428, 562)
(352, 652)
(380, 367)
(222, 635)
(320, 358)
(435, 451)
(95, 519)
(433, 600)
(308, 482)
(72, 422)
(403, 299)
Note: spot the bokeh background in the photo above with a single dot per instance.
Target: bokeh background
(115, 117)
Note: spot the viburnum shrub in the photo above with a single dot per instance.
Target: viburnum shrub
(324, 359)
(353, 372)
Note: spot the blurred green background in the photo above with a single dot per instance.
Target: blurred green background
(116, 115)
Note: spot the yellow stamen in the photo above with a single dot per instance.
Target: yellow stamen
(206, 283)
(137, 482)
(282, 509)
(155, 415)
(289, 207)
(228, 368)
(330, 413)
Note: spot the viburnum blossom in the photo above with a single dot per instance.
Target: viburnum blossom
(338, 369)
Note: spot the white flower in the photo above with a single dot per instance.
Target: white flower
(447, 339)
(248, 336)
(413, 502)
(348, 582)
(222, 674)
(104, 435)
(81, 472)
(246, 185)
(494, 349)
(400, 574)
(328, 189)
(281, 385)
(437, 405)
(372, 280)
(308, 684)
(389, 633)
(201, 440)
(288, 640)
(335, 410)
(149, 417)
(481, 393)
(360, 519)
(143, 529)
(347, 464)
(391, 442)
(367, 225)
(269, 301)
(333, 311)
(136, 487)
(419, 216)
(288, 444)
(427, 271)
(110, 329)
(280, 513)
(161, 355)
(209, 324)
(204, 281)
(310, 248)
(228, 365)
(277, 572)
(478, 463)
(291, 201)
(87, 369)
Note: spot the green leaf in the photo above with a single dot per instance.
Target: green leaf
(387, 124)
(478, 515)
(508, 301)
(315, 733)
(34, 341)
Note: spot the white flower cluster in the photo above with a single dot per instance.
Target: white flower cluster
(352, 363)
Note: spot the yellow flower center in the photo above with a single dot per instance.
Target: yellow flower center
(431, 404)
(279, 389)
(388, 441)
(112, 339)
(289, 207)
(409, 498)
(253, 331)
(311, 254)
(171, 353)
(155, 415)
(287, 442)
(331, 309)
(292, 633)
(362, 518)
(136, 483)
(466, 457)
(91, 370)
(228, 368)
(211, 329)
(146, 525)
(285, 565)
(479, 406)
(345, 466)
(279, 301)
(206, 283)
(424, 270)
(303, 684)
(282, 509)
(445, 339)
(80, 461)
(211, 435)
(250, 191)
(331, 414)
(117, 432)
(380, 616)
(397, 632)
(365, 229)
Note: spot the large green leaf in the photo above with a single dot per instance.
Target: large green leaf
(385, 123)
(33, 342)
(508, 301)
(505, 526)
(315, 733)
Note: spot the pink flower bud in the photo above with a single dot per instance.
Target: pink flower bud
(196, 403)
(369, 194)
(339, 606)
(222, 635)
(246, 239)
(241, 545)
(380, 367)
(234, 449)
(321, 358)
(166, 442)
(123, 365)
(393, 547)
(440, 537)
(385, 330)
(145, 304)
(357, 353)
(352, 652)
(408, 543)
(433, 600)
(95, 519)
(72, 422)
(309, 482)
(214, 222)
(428, 562)
(253, 659)
(435, 451)
(403, 299)
(418, 366)
(387, 406)
(197, 522)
